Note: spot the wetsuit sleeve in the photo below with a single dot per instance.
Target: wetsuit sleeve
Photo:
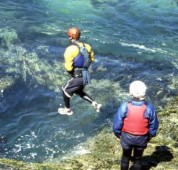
(119, 118)
(92, 58)
(70, 53)
(153, 119)
(91, 53)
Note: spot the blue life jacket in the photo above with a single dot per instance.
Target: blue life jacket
(82, 60)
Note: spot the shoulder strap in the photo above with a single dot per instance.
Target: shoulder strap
(75, 43)
(85, 53)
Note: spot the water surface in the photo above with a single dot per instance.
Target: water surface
(131, 39)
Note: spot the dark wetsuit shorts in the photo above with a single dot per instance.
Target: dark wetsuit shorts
(73, 86)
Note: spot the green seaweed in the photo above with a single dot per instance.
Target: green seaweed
(7, 37)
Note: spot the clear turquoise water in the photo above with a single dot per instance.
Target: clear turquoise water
(132, 39)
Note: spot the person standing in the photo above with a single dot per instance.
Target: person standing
(78, 57)
(135, 123)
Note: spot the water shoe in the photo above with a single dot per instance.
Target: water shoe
(64, 111)
(97, 106)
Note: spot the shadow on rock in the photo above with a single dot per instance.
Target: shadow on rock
(161, 154)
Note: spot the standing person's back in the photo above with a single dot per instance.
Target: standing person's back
(135, 123)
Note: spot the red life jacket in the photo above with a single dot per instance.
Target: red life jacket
(135, 123)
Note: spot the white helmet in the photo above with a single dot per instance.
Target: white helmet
(138, 89)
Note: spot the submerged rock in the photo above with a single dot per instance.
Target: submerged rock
(7, 37)
(6, 82)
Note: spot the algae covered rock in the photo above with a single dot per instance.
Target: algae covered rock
(7, 37)
(6, 82)
(30, 69)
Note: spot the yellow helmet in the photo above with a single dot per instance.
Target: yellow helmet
(74, 33)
